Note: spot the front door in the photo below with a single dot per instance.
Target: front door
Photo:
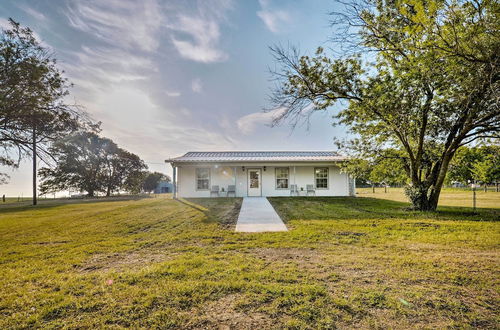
(254, 182)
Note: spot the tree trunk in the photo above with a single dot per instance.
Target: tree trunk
(385, 188)
(34, 166)
(373, 188)
(496, 186)
(108, 192)
(485, 187)
(436, 184)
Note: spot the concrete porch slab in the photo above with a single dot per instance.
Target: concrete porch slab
(258, 215)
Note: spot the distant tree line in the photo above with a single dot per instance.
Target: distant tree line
(478, 164)
(37, 122)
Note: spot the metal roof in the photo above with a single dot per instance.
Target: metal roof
(257, 156)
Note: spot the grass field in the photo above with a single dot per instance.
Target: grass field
(156, 262)
(448, 197)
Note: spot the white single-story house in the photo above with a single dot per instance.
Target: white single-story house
(260, 173)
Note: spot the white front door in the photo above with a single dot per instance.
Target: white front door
(254, 182)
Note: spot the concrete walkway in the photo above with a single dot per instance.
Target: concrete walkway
(257, 215)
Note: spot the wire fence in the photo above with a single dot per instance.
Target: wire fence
(488, 188)
(21, 199)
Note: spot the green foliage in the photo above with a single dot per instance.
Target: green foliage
(152, 179)
(480, 163)
(88, 162)
(32, 97)
(385, 168)
(431, 85)
(488, 170)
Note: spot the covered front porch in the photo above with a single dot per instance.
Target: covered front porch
(263, 179)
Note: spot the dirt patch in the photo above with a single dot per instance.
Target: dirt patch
(124, 261)
(229, 217)
(46, 243)
(302, 255)
(421, 225)
(350, 233)
(223, 314)
(310, 261)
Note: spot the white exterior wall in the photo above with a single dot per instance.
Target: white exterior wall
(223, 176)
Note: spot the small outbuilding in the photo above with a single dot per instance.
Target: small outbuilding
(260, 173)
(164, 187)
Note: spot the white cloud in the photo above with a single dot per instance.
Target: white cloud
(196, 85)
(272, 18)
(247, 124)
(126, 23)
(4, 24)
(94, 70)
(196, 35)
(173, 93)
(33, 13)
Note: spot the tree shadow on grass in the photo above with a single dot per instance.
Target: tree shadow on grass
(352, 208)
(224, 211)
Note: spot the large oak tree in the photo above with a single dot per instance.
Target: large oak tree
(418, 76)
(87, 162)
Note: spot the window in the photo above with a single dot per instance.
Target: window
(282, 174)
(202, 178)
(321, 177)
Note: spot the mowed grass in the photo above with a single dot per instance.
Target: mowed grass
(448, 197)
(157, 262)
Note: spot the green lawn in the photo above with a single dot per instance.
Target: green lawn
(448, 197)
(156, 262)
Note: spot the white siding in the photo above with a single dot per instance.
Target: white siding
(223, 176)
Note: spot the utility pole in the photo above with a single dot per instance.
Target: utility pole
(34, 163)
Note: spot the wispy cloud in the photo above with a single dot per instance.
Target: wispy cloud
(4, 24)
(128, 23)
(33, 13)
(196, 34)
(274, 19)
(196, 85)
(249, 123)
(173, 93)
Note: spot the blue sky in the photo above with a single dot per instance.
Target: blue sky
(167, 77)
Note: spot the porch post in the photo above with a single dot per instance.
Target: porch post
(174, 178)
(295, 183)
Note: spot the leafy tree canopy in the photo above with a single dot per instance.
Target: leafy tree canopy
(33, 108)
(421, 77)
(87, 162)
(152, 179)
(386, 168)
(464, 167)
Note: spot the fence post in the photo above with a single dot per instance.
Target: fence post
(474, 198)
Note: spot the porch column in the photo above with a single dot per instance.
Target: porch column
(174, 178)
(295, 183)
